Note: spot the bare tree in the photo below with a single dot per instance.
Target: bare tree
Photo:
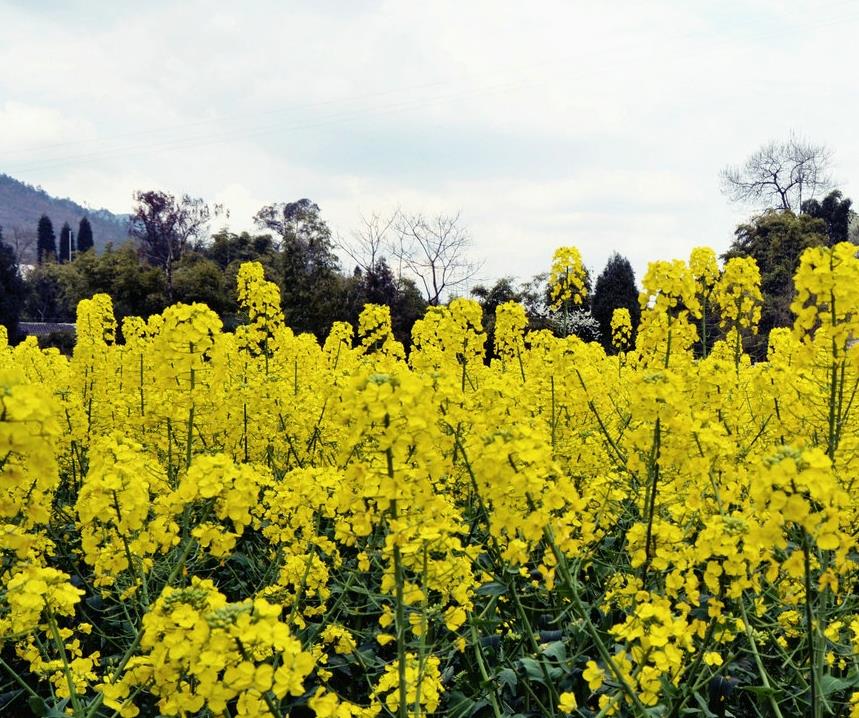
(369, 241)
(780, 175)
(24, 242)
(435, 251)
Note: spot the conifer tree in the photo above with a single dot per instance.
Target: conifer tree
(46, 245)
(615, 288)
(85, 241)
(11, 289)
(65, 243)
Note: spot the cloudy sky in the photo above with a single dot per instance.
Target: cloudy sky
(602, 125)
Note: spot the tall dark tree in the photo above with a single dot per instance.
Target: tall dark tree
(312, 287)
(775, 240)
(834, 209)
(66, 249)
(409, 307)
(227, 247)
(12, 290)
(377, 285)
(46, 244)
(504, 290)
(84, 238)
(615, 288)
(166, 226)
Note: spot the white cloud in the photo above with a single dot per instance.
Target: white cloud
(601, 125)
(25, 126)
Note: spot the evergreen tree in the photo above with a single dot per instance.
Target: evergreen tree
(776, 240)
(377, 285)
(836, 211)
(227, 248)
(65, 243)
(490, 298)
(46, 245)
(11, 289)
(84, 235)
(615, 288)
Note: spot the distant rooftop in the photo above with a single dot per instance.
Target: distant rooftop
(41, 329)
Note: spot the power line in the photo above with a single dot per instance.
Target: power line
(615, 54)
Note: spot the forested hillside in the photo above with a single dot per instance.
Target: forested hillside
(21, 206)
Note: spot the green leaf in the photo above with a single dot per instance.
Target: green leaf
(556, 650)
(702, 704)
(508, 677)
(493, 588)
(37, 705)
(830, 684)
(461, 706)
(482, 703)
(762, 691)
(534, 671)
(241, 559)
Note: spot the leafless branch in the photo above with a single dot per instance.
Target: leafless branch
(434, 250)
(369, 241)
(780, 175)
(24, 242)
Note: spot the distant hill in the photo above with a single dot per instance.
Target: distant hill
(21, 205)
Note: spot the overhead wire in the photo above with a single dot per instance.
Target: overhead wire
(617, 53)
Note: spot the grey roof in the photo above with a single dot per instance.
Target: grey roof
(41, 329)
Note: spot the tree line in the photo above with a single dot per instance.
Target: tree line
(406, 261)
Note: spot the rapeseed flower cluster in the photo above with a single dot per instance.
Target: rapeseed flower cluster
(621, 329)
(567, 278)
(202, 522)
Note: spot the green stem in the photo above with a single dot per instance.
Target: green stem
(266, 696)
(190, 421)
(422, 648)
(142, 404)
(399, 580)
(584, 616)
(603, 429)
(816, 707)
(759, 663)
(488, 682)
(129, 652)
(20, 681)
(650, 497)
(61, 648)
(402, 708)
(554, 416)
(532, 642)
(521, 365)
(132, 566)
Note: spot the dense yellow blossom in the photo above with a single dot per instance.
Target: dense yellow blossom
(202, 522)
(567, 278)
(621, 329)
